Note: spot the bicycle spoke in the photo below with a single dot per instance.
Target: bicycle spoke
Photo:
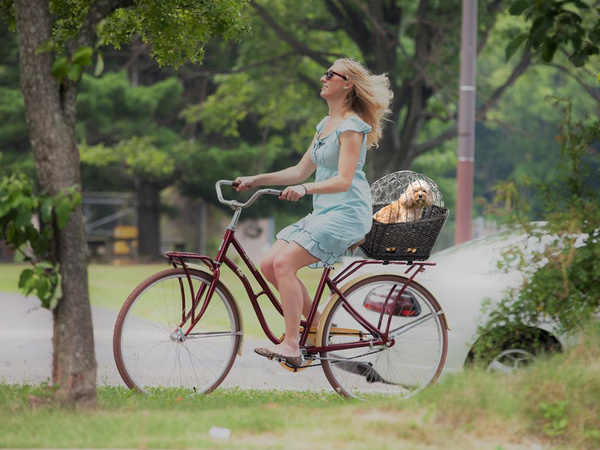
(214, 334)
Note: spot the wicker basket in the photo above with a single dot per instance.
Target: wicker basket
(407, 239)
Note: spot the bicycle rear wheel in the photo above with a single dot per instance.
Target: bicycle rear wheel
(414, 360)
(150, 350)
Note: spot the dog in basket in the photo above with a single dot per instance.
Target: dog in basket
(417, 196)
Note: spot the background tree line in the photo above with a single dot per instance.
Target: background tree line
(251, 105)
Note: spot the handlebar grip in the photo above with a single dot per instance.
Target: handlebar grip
(235, 183)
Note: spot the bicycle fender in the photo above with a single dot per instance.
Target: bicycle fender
(334, 298)
(227, 292)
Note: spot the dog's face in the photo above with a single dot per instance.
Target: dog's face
(418, 194)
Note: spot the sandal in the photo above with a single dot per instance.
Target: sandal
(292, 361)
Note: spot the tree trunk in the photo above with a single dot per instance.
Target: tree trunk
(148, 217)
(57, 162)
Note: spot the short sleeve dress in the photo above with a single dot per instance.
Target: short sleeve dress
(339, 220)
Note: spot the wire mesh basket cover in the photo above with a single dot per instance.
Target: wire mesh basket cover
(409, 214)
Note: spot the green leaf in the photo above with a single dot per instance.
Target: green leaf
(82, 56)
(562, 423)
(45, 47)
(539, 27)
(45, 265)
(578, 58)
(25, 277)
(548, 49)
(63, 212)
(46, 210)
(592, 50)
(76, 199)
(594, 35)
(23, 217)
(514, 45)
(580, 4)
(75, 71)
(42, 287)
(99, 64)
(518, 7)
(60, 68)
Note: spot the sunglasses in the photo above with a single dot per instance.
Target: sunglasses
(330, 73)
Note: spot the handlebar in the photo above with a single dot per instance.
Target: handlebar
(236, 204)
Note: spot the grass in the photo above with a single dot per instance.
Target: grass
(554, 403)
(110, 286)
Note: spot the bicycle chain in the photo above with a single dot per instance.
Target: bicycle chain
(353, 357)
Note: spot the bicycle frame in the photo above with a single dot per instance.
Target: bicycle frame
(229, 239)
(380, 332)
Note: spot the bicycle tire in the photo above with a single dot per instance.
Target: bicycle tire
(414, 361)
(148, 349)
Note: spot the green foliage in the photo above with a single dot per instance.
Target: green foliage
(137, 156)
(562, 277)
(517, 139)
(71, 67)
(572, 25)
(14, 139)
(555, 420)
(177, 29)
(7, 13)
(110, 109)
(27, 223)
(126, 131)
(206, 164)
(278, 111)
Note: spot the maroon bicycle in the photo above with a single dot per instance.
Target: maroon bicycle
(379, 333)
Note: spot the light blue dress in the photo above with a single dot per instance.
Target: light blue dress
(340, 220)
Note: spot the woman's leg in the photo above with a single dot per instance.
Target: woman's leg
(266, 267)
(285, 267)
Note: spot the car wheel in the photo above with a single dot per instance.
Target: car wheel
(516, 353)
(508, 361)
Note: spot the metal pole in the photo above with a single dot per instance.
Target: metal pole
(466, 123)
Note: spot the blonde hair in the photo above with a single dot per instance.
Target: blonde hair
(370, 97)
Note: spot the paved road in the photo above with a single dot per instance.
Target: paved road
(26, 351)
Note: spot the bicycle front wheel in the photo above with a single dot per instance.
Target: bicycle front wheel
(415, 356)
(151, 350)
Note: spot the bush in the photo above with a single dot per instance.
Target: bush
(562, 279)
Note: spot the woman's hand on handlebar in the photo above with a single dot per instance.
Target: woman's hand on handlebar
(245, 183)
(293, 193)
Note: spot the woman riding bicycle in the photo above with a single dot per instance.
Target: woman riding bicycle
(358, 103)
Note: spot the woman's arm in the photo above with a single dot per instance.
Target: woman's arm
(291, 175)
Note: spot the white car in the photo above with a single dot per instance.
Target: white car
(464, 278)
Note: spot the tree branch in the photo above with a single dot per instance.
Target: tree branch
(591, 90)
(352, 23)
(98, 11)
(86, 37)
(375, 23)
(311, 82)
(314, 25)
(450, 133)
(519, 69)
(288, 37)
(492, 10)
